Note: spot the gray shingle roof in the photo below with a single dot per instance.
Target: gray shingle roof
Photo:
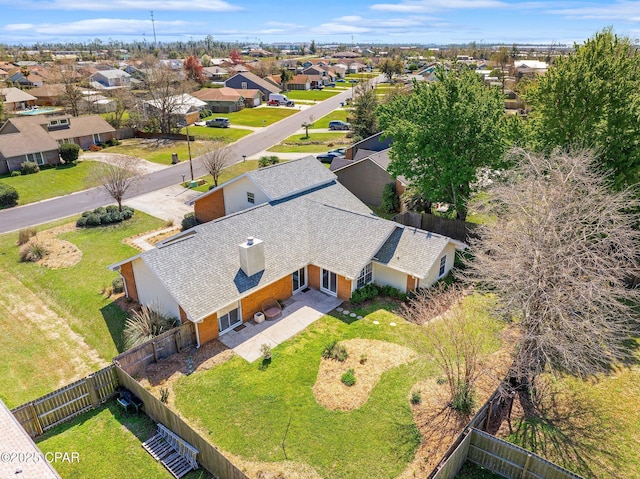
(411, 250)
(285, 179)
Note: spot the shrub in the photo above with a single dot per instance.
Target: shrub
(95, 148)
(335, 350)
(32, 252)
(392, 292)
(189, 221)
(118, 285)
(113, 142)
(463, 399)
(363, 358)
(8, 195)
(390, 200)
(29, 168)
(360, 295)
(349, 378)
(205, 113)
(104, 216)
(144, 325)
(416, 397)
(265, 349)
(16, 173)
(69, 153)
(267, 161)
(25, 234)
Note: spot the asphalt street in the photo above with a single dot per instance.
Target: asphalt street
(13, 219)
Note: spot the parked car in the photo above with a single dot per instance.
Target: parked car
(328, 157)
(219, 122)
(339, 125)
(281, 99)
(353, 80)
(340, 151)
(331, 84)
(317, 87)
(341, 80)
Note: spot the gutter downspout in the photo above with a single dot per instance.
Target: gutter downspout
(197, 336)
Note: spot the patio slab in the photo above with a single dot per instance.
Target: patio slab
(299, 311)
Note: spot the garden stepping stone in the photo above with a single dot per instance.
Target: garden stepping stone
(359, 317)
(345, 312)
(339, 310)
(353, 315)
(392, 324)
(376, 322)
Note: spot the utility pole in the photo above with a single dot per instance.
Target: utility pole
(153, 23)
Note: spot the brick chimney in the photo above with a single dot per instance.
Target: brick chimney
(251, 256)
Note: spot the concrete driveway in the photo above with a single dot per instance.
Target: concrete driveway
(167, 203)
(299, 311)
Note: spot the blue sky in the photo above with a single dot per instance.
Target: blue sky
(325, 21)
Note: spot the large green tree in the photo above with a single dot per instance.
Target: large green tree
(591, 99)
(444, 133)
(362, 115)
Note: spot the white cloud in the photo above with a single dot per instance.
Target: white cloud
(349, 19)
(620, 10)
(121, 5)
(99, 26)
(426, 6)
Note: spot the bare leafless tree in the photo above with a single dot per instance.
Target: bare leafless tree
(165, 90)
(216, 159)
(66, 75)
(460, 334)
(117, 175)
(124, 101)
(558, 251)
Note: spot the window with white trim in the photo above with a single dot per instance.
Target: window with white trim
(243, 85)
(96, 138)
(443, 266)
(37, 158)
(251, 198)
(365, 276)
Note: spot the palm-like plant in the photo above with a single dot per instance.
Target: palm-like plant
(144, 325)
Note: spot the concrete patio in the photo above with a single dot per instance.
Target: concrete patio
(299, 311)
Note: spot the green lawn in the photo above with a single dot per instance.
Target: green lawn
(52, 182)
(75, 293)
(334, 115)
(156, 151)
(590, 427)
(229, 173)
(108, 443)
(264, 116)
(254, 404)
(316, 142)
(316, 95)
(227, 135)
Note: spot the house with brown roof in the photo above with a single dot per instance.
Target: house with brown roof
(49, 94)
(37, 138)
(297, 82)
(15, 99)
(250, 81)
(221, 100)
(215, 73)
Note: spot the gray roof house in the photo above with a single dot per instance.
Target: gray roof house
(109, 79)
(281, 230)
(250, 81)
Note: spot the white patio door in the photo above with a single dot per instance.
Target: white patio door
(229, 318)
(299, 280)
(329, 282)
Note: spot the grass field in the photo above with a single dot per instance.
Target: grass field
(52, 182)
(315, 143)
(258, 117)
(590, 427)
(227, 135)
(70, 300)
(334, 115)
(229, 173)
(156, 151)
(255, 406)
(108, 443)
(316, 95)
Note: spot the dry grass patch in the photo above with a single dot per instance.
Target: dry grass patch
(274, 470)
(57, 253)
(369, 359)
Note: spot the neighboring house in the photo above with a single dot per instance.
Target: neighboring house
(325, 73)
(48, 95)
(185, 109)
(3, 75)
(297, 82)
(346, 55)
(221, 100)
(250, 81)
(356, 67)
(173, 63)
(105, 79)
(367, 175)
(94, 102)
(15, 99)
(25, 78)
(215, 73)
(37, 138)
(283, 237)
(372, 144)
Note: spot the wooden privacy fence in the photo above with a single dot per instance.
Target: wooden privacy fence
(208, 456)
(67, 402)
(162, 346)
(459, 230)
(501, 457)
